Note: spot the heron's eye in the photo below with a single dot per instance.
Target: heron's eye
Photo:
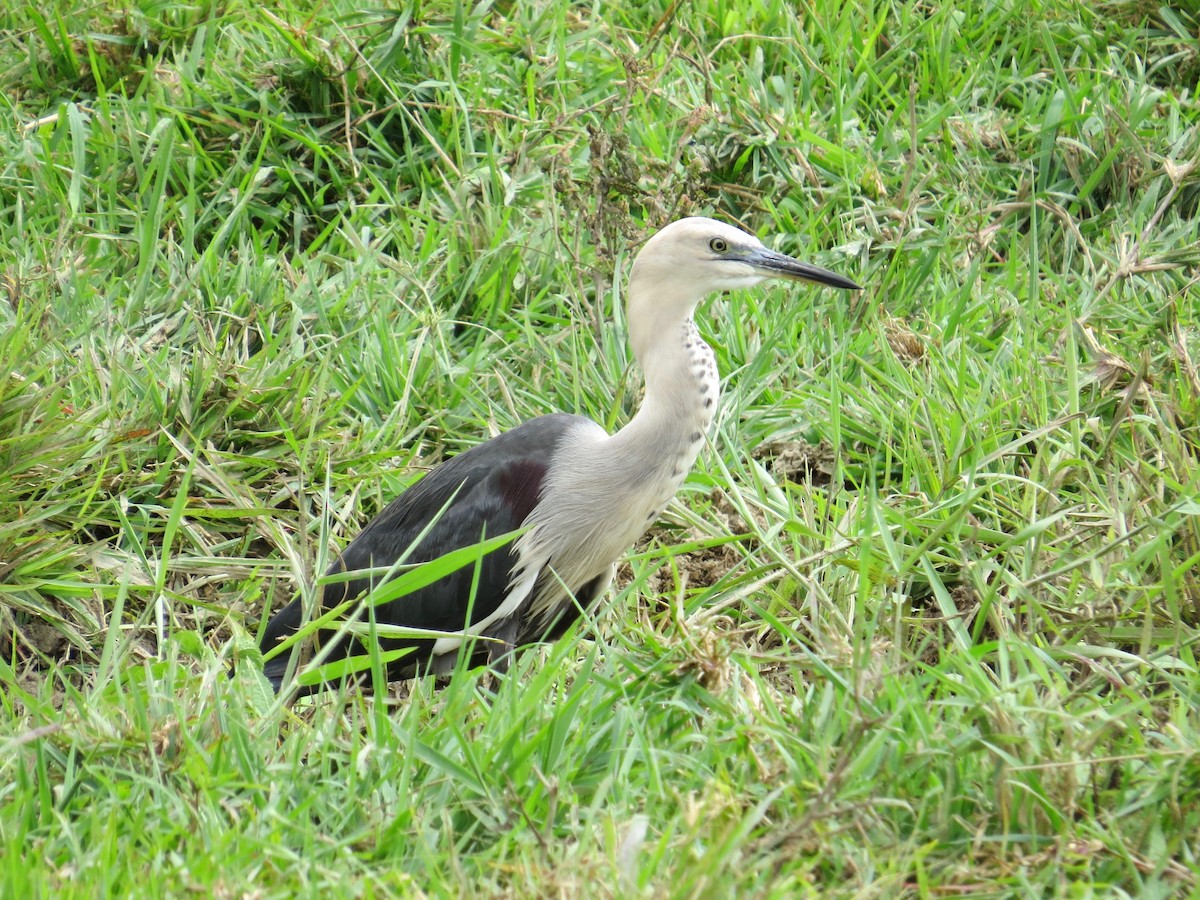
(718, 245)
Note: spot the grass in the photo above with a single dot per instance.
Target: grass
(923, 622)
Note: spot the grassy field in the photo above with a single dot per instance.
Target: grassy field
(924, 620)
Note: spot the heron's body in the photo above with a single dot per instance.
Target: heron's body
(582, 496)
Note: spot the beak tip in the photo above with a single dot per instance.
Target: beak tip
(829, 279)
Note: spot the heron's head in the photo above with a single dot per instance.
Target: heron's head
(694, 257)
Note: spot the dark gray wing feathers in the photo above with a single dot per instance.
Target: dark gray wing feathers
(494, 487)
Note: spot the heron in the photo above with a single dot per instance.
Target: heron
(578, 496)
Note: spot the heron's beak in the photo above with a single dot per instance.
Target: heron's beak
(777, 265)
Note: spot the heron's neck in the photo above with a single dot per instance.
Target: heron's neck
(680, 399)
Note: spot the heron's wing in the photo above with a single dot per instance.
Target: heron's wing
(487, 502)
(491, 489)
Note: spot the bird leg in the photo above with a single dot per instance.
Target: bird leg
(494, 648)
(502, 643)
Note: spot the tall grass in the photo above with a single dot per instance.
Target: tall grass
(922, 622)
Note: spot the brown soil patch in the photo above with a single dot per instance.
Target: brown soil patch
(799, 461)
